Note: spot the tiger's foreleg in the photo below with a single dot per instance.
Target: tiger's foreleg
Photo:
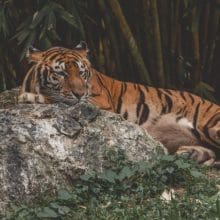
(28, 97)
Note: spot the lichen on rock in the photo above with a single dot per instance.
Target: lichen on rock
(46, 147)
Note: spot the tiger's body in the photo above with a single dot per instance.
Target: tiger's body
(198, 119)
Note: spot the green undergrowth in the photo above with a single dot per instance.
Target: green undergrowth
(132, 190)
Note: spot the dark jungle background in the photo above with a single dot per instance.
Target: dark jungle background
(164, 43)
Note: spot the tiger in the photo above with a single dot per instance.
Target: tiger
(195, 118)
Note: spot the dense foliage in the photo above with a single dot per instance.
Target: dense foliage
(132, 190)
(166, 43)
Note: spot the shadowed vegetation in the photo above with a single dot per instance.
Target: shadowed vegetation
(165, 43)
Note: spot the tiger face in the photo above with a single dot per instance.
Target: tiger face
(68, 68)
(41, 81)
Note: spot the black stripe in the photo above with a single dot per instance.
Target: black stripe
(28, 83)
(185, 113)
(155, 120)
(159, 93)
(125, 87)
(181, 110)
(169, 103)
(216, 119)
(106, 108)
(140, 101)
(206, 133)
(52, 57)
(168, 91)
(60, 73)
(147, 88)
(60, 60)
(94, 95)
(125, 115)
(118, 109)
(209, 107)
(182, 95)
(142, 106)
(196, 134)
(192, 98)
(195, 118)
(144, 114)
(178, 118)
(51, 51)
(39, 79)
(45, 77)
(163, 110)
(104, 86)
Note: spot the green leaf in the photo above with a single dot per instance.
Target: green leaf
(126, 172)
(167, 158)
(218, 206)
(181, 164)
(63, 210)
(28, 42)
(85, 177)
(47, 213)
(109, 175)
(39, 16)
(69, 18)
(64, 195)
(22, 36)
(143, 166)
(54, 205)
(195, 173)
(53, 35)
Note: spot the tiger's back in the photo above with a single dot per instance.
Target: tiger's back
(145, 105)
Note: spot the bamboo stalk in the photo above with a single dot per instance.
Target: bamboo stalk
(128, 36)
(164, 13)
(195, 42)
(173, 38)
(214, 23)
(204, 35)
(112, 37)
(179, 66)
(147, 47)
(157, 43)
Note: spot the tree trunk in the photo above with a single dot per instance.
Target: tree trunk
(132, 45)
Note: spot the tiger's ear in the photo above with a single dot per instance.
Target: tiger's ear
(34, 55)
(82, 48)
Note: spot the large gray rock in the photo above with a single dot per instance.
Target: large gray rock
(46, 147)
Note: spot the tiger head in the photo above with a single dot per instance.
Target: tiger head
(72, 62)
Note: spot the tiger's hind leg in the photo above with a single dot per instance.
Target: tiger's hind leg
(198, 153)
(28, 97)
(179, 139)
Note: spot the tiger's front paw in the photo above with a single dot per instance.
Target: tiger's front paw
(31, 98)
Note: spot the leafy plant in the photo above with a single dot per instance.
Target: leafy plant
(133, 190)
